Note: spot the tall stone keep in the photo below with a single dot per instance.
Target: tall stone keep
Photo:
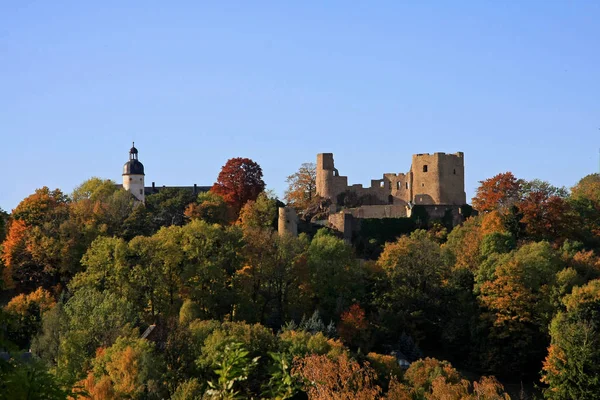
(438, 178)
(133, 175)
(329, 182)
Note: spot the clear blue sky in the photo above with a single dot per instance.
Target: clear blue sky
(513, 84)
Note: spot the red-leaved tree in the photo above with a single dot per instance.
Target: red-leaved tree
(240, 180)
(497, 193)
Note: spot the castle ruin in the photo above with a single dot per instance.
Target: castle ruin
(433, 179)
(435, 183)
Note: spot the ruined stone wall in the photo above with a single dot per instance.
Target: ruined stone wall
(438, 212)
(383, 211)
(342, 222)
(433, 179)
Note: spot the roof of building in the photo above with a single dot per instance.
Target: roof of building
(148, 190)
(133, 167)
(195, 189)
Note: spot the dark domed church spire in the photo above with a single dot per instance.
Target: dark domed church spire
(133, 174)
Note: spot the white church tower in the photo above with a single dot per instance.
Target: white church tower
(133, 175)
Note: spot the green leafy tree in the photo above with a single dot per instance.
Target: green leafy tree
(92, 319)
(572, 366)
(191, 389)
(259, 214)
(20, 380)
(232, 367)
(209, 207)
(3, 221)
(282, 384)
(211, 257)
(167, 207)
(413, 286)
(518, 307)
(335, 279)
(268, 287)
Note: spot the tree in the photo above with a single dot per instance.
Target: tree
(585, 200)
(3, 222)
(518, 306)
(336, 379)
(462, 249)
(27, 311)
(546, 213)
(28, 380)
(259, 214)
(91, 319)
(412, 286)
(129, 369)
(211, 258)
(302, 186)
(433, 379)
(99, 207)
(497, 193)
(209, 207)
(353, 327)
(269, 286)
(240, 180)
(233, 366)
(335, 279)
(588, 188)
(37, 250)
(94, 189)
(572, 366)
(167, 207)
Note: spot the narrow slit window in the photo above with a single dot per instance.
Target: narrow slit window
(424, 168)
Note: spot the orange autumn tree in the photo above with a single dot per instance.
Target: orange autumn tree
(13, 251)
(128, 369)
(37, 248)
(433, 379)
(239, 181)
(353, 326)
(497, 193)
(302, 186)
(517, 305)
(336, 379)
(21, 304)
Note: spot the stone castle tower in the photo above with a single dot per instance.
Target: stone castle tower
(433, 179)
(133, 175)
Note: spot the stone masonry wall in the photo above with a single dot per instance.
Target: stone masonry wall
(433, 179)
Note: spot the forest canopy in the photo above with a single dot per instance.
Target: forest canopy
(197, 296)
